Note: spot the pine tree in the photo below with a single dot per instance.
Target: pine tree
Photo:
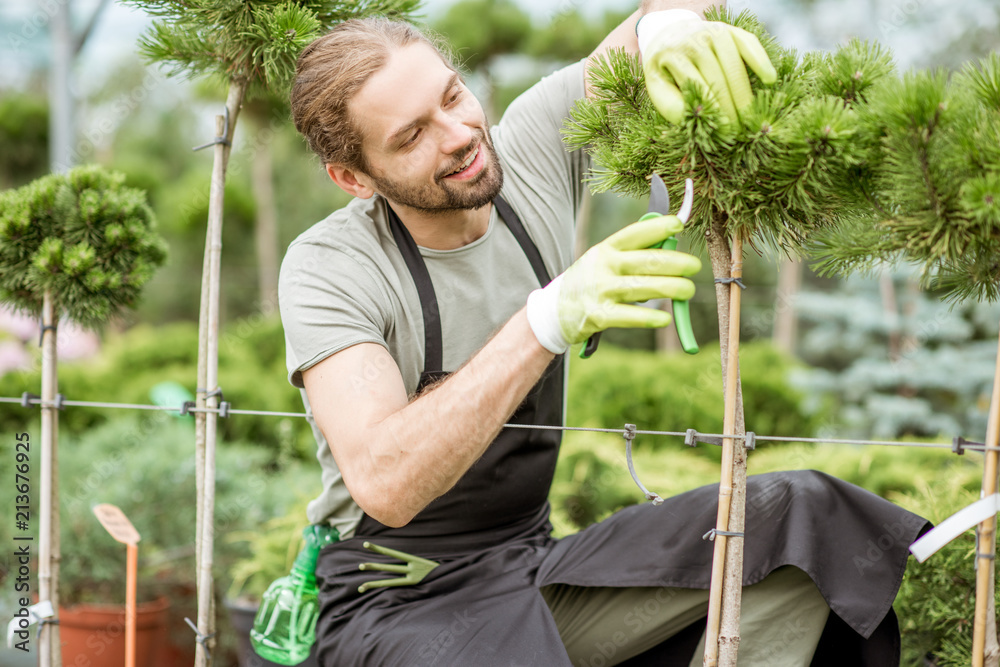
(83, 237)
(788, 168)
(84, 245)
(252, 47)
(934, 185)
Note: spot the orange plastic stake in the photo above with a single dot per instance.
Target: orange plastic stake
(120, 528)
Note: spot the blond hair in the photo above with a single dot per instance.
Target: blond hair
(330, 72)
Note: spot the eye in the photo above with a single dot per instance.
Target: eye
(454, 97)
(413, 139)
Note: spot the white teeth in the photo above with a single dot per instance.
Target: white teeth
(467, 162)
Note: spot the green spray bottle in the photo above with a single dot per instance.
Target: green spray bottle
(284, 629)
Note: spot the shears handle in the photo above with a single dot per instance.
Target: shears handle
(681, 311)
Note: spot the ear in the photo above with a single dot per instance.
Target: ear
(350, 181)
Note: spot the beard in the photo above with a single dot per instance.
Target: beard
(447, 195)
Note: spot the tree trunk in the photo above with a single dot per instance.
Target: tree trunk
(49, 653)
(731, 586)
(208, 367)
(984, 644)
(786, 322)
(61, 127)
(266, 229)
(890, 306)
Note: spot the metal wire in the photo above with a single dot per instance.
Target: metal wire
(34, 400)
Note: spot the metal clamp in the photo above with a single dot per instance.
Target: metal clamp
(629, 435)
(200, 638)
(710, 535)
(43, 328)
(692, 438)
(958, 445)
(218, 140)
(726, 281)
(186, 407)
(27, 398)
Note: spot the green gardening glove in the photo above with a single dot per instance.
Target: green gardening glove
(596, 292)
(678, 46)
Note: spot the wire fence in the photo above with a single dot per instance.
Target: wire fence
(691, 437)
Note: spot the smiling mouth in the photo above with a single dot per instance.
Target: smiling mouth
(468, 161)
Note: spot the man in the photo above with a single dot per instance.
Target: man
(424, 316)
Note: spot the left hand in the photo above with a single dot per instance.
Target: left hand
(678, 46)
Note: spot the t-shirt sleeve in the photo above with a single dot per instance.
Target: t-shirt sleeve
(530, 131)
(328, 301)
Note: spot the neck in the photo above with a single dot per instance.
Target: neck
(444, 230)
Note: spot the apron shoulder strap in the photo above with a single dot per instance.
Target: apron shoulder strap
(433, 347)
(521, 235)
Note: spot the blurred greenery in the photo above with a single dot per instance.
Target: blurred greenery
(145, 465)
(676, 391)
(155, 124)
(24, 138)
(251, 374)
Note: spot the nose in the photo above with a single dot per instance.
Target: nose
(454, 134)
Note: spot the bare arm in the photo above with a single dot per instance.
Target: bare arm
(397, 455)
(623, 37)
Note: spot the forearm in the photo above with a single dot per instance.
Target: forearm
(419, 452)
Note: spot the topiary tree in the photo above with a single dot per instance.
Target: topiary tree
(793, 164)
(252, 48)
(935, 192)
(81, 245)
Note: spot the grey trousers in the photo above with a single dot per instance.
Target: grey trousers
(782, 618)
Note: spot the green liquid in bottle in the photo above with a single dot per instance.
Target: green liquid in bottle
(284, 629)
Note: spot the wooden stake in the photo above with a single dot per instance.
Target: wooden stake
(48, 642)
(986, 544)
(208, 367)
(715, 648)
(131, 572)
(122, 530)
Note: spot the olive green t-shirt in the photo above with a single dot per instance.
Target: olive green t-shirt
(344, 281)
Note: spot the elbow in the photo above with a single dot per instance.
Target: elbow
(389, 508)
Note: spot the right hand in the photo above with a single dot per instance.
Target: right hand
(597, 291)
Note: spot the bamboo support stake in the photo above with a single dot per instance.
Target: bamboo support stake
(729, 647)
(986, 542)
(48, 551)
(208, 367)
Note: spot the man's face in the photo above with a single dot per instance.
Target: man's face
(425, 136)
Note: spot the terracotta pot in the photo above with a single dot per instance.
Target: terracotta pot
(94, 634)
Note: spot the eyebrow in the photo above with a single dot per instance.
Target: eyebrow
(398, 135)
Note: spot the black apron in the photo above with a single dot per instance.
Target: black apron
(490, 535)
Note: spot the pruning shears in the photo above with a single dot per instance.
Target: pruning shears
(659, 204)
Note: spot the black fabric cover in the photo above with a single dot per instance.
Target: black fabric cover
(481, 606)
